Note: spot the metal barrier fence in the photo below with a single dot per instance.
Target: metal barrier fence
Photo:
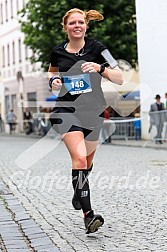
(123, 128)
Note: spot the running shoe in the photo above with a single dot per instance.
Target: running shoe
(93, 222)
(75, 202)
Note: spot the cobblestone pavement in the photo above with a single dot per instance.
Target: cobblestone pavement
(128, 187)
(18, 231)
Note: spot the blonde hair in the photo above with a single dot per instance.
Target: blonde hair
(88, 15)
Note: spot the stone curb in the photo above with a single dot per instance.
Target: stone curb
(18, 231)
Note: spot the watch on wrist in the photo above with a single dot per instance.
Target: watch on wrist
(102, 68)
(53, 78)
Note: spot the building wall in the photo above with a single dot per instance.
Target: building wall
(152, 51)
(13, 59)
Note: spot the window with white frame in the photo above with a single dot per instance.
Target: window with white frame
(7, 104)
(11, 7)
(32, 98)
(8, 54)
(17, 6)
(6, 10)
(26, 52)
(13, 52)
(14, 102)
(1, 16)
(19, 47)
(3, 56)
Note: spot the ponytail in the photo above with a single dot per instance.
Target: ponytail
(93, 15)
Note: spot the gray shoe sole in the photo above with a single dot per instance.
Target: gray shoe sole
(94, 225)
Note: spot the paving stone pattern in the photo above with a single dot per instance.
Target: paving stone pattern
(128, 187)
(18, 231)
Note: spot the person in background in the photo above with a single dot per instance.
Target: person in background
(137, 126)
(11, 119)
(157, 117)
(76, 69)
(44, 121)
(165, 137)
(28, 121)
(1, 125)
(165, 100)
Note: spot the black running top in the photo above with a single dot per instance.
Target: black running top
(69, 64)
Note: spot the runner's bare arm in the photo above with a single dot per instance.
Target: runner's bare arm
(113, 74)
(52, 71)
(55, 83)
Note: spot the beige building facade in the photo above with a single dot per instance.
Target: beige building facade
(21, 83)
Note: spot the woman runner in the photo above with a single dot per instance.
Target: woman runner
(76, 68)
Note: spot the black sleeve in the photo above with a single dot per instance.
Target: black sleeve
(100, 47)
(53, 59)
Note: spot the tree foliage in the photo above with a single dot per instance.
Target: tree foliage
(41, 23)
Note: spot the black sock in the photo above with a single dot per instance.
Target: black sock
(81, 187)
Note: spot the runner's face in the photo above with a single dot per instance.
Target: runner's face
(76, 26)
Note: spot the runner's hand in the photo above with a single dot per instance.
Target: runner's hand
(56, 84)
(90, 67)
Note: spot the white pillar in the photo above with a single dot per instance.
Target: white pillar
(152, 53)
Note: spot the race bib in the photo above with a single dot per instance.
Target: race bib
(77, 84)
